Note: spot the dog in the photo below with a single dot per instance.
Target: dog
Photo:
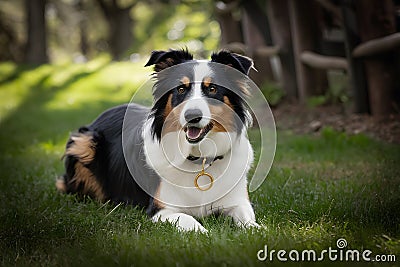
(185, 157)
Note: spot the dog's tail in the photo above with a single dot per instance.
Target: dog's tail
(79, 155)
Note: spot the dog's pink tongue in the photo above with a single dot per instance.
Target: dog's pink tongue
(193, 132)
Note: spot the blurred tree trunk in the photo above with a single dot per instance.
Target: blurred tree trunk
(256, 35)
(306, 35)
(231, 31)
(278, 14)
(10, 47)
(376, 19)
(120, 27)
(36, 45)
(84, 44)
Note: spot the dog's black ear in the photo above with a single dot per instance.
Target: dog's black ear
(165, 59)
(239, 62)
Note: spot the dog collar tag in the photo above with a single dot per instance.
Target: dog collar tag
(203, 173)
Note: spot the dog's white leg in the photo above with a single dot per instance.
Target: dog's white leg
(243, 214)
(183, 221)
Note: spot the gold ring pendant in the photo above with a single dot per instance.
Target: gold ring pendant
(203, 173)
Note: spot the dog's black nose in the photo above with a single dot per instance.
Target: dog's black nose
(193, 115)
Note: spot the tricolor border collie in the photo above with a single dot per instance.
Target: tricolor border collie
(187, 156)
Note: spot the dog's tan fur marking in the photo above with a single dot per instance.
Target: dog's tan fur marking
(171, 123)
(207, 81)
(156, 200)
(185, 81)
(223, 116)
(83, 176)
(168, 106)
(228, 102)
(83, 148)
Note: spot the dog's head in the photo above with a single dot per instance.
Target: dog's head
(199, 99)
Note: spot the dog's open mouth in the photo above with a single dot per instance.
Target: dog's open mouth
(195, 134)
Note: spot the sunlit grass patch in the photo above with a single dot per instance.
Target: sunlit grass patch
(319, 188)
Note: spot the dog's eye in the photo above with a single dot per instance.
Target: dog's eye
(181, 90)
(212, 89)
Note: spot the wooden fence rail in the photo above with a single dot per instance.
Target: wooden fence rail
(378, 46)
(323, 62)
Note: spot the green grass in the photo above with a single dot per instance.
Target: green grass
(319, 189)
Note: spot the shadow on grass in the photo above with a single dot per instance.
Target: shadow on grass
(16, 73)
(40, 124)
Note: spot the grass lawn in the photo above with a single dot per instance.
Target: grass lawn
(320, 189)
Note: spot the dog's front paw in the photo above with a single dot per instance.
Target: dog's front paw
(183, 222)
(195, 226)
(188, 223)
(251, 224)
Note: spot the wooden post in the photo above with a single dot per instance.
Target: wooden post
(376, 19)
(305, 36)
(230, 28)
(358, 83)
(278, 15)
(253, 38)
